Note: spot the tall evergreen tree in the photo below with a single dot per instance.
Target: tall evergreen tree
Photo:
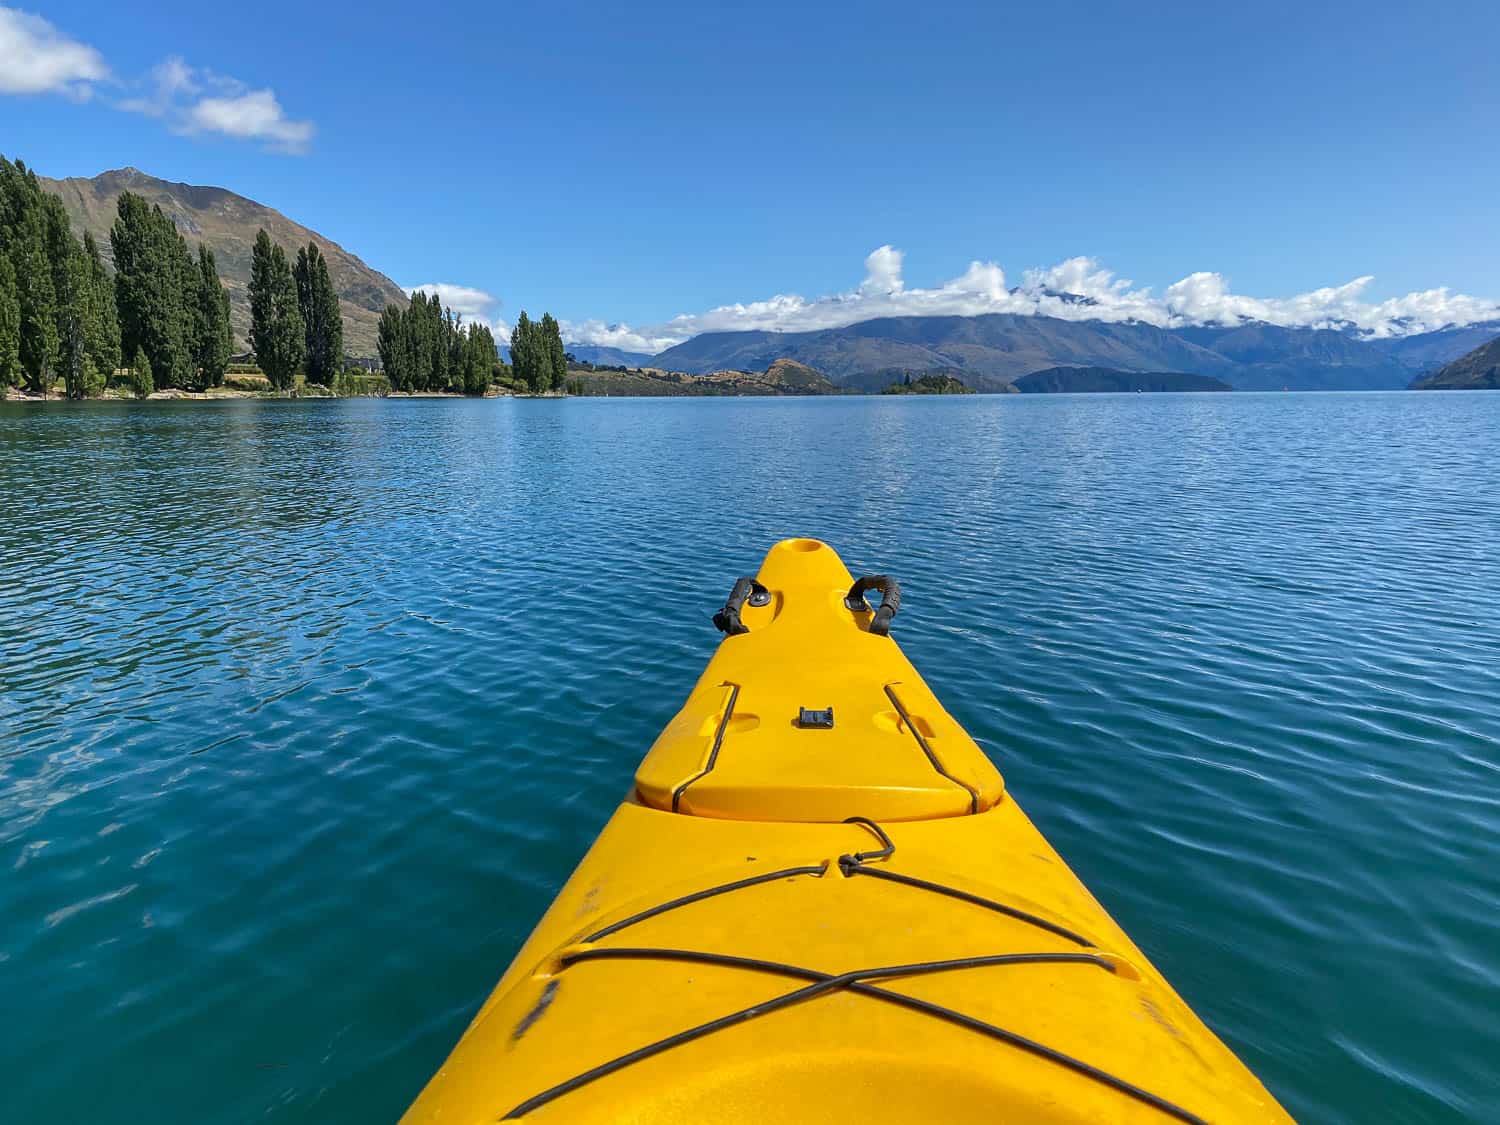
(477, 359)
(276, 331)
(527, 357)
(455, 336)
(323, 323)
(437, 345)
(10, 324)
(141, 382)
(70, 296)
(557, 359)
(212, 338)
(54, 320)
(57, 308)
(103, 327)
(35, 292)
(156, 286)
(389, 342)
(71, 280)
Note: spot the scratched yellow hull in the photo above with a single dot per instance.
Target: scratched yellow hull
(718, 954)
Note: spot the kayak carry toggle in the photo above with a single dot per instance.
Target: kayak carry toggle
(890, 600)
(727, 620)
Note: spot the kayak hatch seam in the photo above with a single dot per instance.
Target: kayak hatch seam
(823, 983)
(713, 754)
(926, 749)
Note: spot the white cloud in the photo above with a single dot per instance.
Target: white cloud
(171, 79)
(621, 336)
(194, 100)
(882, 272)
(256, 116)
(36, 58)
(473, 306)
(1076, 289)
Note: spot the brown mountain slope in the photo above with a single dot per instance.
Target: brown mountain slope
(227, 223)
(1479, 370)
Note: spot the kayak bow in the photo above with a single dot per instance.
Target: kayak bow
(818, 902)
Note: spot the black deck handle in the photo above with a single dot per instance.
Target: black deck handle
(890, 600)
(728, 619)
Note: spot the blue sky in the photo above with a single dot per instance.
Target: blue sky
(635, 164)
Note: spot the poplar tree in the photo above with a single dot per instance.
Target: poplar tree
(71, 282)
(35, 294)
(10, 325)
(478, 355)
(323, 323)
(141, 382)
(557, 358)
(213, 339)
(54, 318)
(276, 331)
(389, 342)
(103, 325)
(156, 285)
(526, 357)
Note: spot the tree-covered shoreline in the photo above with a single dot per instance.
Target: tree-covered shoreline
(159, 324)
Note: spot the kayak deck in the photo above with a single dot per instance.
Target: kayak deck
(755, 955)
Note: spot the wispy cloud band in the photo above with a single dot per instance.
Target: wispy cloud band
(37, 58)
(1076, 289)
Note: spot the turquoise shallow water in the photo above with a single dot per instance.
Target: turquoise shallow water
(307, 709)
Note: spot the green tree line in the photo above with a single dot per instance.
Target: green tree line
(424, 347)
(63, 316)
(537, 355)
(57, 304)
(296, 326)
(164, 313)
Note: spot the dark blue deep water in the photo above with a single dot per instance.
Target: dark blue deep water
(307, 709)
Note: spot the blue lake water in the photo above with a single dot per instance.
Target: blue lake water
(307, 709)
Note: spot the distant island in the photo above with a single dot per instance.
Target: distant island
(929, 385)
(782, 377)
(1080, 380)
(1477, 371)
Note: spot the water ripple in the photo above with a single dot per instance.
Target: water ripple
(307, 709)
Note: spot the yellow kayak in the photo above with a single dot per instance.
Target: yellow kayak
(818, 903)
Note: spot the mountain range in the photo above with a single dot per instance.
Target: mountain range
(992, 351)
(988, 352)
(227, 223)
(609, 357)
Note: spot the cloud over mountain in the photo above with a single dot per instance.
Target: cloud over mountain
(1076, 289)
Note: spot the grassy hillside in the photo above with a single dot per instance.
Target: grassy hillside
(1479, 370)
(227, 223)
